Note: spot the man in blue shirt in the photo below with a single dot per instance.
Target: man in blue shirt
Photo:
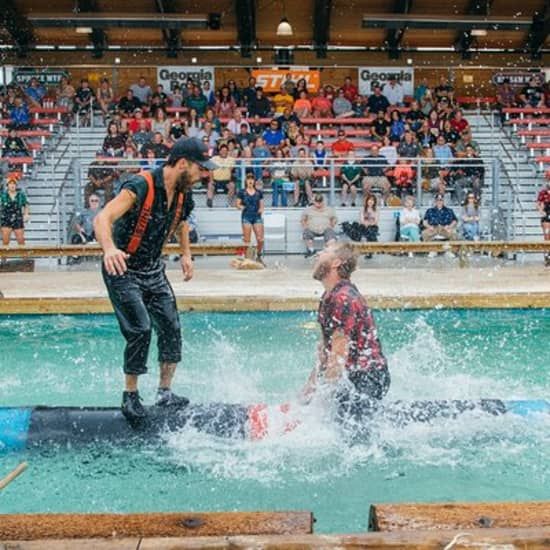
(273, 136)
(35, 92)
(439, 222)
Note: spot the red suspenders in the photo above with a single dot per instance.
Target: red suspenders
(145, 215)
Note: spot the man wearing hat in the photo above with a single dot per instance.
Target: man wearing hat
(439, 222)
(132, 229)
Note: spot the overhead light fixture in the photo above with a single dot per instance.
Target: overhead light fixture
(478, 32)
(193, 60)
(83, 30)
(284, 28)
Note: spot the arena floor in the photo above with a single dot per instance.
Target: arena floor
(287, 284)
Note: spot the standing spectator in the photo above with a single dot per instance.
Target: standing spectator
(370, 220)
(321, 105)
(350, 90)
(14, 146)
(15, 213)
(83, 102)
(318, 220)
(259, 105)
(341, 106)
(439, 222)
(342, 146)
(249, 93)
(377, 101)
(105, 98)
(128, 104)
(84, 221)
(302, 174)
(394, 92)
(375, 173)
(279, 179)
(197, 101)
(35, 92)
(250, 201)
(221, 179)
(282, 100)
(351, 175)
(409, 221)
(470, 218)
(142, 91)
(543, 206)
(302, 106)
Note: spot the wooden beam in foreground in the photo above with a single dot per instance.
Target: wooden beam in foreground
(48, 251)
(85, 526)
(404, 517)
(526, 539)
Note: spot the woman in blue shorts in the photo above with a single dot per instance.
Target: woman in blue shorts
(251, 203)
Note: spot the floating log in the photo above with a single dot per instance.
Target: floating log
(86, 526)
(471, 515)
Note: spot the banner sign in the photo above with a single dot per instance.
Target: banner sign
(171, 75)
(519, 79)
(271, 80)
(47, 77)
(369, 77)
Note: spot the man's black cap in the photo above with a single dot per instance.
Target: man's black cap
(194, 150)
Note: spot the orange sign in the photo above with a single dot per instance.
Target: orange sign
(271, 80)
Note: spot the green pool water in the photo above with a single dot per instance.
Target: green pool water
(265, 357)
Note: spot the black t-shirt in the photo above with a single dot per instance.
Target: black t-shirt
(380, 127)
(533, 94)
(149, 252)
(377, 103)
(128, 106)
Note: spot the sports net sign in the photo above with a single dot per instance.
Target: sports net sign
(271, 80)
(174, 75)
(369, 77)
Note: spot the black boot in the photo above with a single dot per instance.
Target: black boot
(131, 407)
(167, 398)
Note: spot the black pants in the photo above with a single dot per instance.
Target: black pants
(358, 397)
(141, 300)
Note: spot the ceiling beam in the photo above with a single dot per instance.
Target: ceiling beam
(321, 27)
(540, 29)
(394, 36)
(460, 22)
(18, 26)
(98, 37)
(245, 11)
(172, 37)
(464, 38)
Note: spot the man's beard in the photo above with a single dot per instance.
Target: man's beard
(184, 183)
(321, 270)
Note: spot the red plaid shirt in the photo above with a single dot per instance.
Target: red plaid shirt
(345, 310)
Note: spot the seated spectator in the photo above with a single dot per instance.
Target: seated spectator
(114, 143)
(506, 97)
(532, 95)
(470, 218)
(210, 116)
(466, 141)
(318, 220)
(370, 219)
(142, 91)
(225, 137)
(468, 174)
(420, 90)
(351, 176)
(433, 176)
(287, 118)
(321, 105)
(439, 222)
(302, 175)
(427, 103)
(282, 100)
(244, 138)
(225, 105)
(259, 105)
(320, 155)
(377, 101)
(176, 97)
(14, 146)
(158, 146)
(128, 104)
(389, 150)
(260, 152)
(409, 221)
(341, 107)
(350, 90)
(105, 98)
(459, 123)
(193, 124)
(301, 85)
(209, 93)
(100, 180)
(257, 127)
(161, 123)
(424, 136)
(302, 106)
(444, 90)
(380, 126)
(249, 93)
(236, 122)
(35, 92)
(177, 130)
(162, 96)
(450, 134)
(403, 175)
(84, 221)
(221, 179)
(375, 173)
(235, 92)
(394, 92)
(359, 107)
(149, 158)
(408, 148)
(397, 126)
(280, 181)
(443, 152)
(273, 136)
(20, 117)
(143, 136)
(435, 123)
(197, 101)
(342, 146)
(209, 133)
(134, 124)
(293, 133)
(414, 117)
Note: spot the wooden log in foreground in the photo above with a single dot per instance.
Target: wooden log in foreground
(85, 526)
(505, 539)
(404, 517)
